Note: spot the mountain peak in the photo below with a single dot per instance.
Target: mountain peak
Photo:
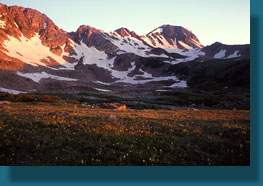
(217, 43)
(123, 32)
(176, 37)
(168, 25)
(88, 28)
(29, 23)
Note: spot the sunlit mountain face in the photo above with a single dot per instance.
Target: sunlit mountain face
(36, 55)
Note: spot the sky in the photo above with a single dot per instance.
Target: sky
(226, 21)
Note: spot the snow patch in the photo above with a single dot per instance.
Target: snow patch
(43, 75)
(185, 45)
(234, 55)
(191, 55)
(157, 30)
(178, 84)
(148, 77)
(102, 83)
(131, 80)
(11, 91)
(71, 42)
(129, 44)
(45, 26)
(197, 43)
(2, 24)
(126, 32)
(165, 44)
(162, 90)
(181, 84)
(221, 54)
(123, 75)
(103, 90)
(16, 24)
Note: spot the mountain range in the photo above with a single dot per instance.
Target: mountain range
(38, 56)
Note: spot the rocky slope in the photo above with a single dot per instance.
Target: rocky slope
(222, 51)
(36, 55)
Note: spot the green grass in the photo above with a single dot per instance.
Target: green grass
(181, 97)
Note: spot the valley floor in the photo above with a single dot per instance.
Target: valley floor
(66, 134)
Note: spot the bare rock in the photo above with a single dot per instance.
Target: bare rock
(116, 106)
(111, 117)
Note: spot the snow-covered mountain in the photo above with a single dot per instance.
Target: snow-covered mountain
(36, 55)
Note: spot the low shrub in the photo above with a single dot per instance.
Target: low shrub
(28, 97)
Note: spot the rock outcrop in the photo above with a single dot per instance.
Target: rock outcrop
(116, 106)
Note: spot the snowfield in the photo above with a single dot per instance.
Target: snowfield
(91, 56)
(190, 54)
(11, 91)
(31, 51)
(36, 77)
(129, 44)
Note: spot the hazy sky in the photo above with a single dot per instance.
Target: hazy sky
(227, 21)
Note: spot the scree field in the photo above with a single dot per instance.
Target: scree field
(65, 134)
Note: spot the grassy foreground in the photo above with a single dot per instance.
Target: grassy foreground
(65, 134)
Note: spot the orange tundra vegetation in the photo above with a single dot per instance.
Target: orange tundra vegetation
(65, 134)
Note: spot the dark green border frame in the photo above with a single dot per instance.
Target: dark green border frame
(250, 175)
